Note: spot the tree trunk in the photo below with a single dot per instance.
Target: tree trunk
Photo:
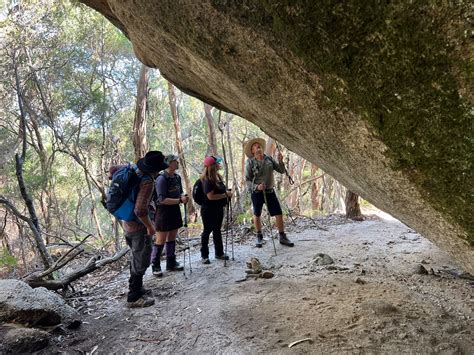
(243, 185)
(235, 180)
(352, 206)
(139, 124)
(33, 220)
(179, 147)
(315, 200)
(117, 236)
(212, 144)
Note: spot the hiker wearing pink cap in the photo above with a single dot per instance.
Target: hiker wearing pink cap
(216, 197)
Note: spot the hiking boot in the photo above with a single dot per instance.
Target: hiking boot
(259, 242)
(156, 270)
(222, 257)
(146, 292)
(205, 261)
(141, 303)
(173, 265)
(285, 241)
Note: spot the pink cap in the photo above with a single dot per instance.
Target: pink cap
(208, 161)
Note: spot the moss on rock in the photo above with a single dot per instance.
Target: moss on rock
(402, 66)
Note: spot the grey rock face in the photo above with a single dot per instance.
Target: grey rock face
(19, 303)
(381, 102)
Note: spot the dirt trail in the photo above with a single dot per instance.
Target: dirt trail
(370, 300)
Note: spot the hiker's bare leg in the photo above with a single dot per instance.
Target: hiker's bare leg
(172, 235)
(279, 223)
(257, 221)
(160, 238)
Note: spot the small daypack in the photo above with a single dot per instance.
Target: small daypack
(198, 192)
(169, 181)
(122, 192)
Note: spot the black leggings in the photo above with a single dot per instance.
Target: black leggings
(212, 218)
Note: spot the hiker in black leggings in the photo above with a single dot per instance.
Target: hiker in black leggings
(212, 209)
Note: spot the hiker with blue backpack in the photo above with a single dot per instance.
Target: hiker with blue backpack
(168, 220)
(260, 182)
(214, 198)
(128, 199)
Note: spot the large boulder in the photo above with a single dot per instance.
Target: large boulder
(378, 95)
(19, 303)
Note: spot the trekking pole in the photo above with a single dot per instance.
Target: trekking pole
(221, 129)
(226, 231)
(186, 232)
(269, 221)
(231, 231)
(184, 242)
(290, 179)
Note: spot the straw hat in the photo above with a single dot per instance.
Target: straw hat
(250, 143)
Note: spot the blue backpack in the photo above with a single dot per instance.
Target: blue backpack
(122, 193)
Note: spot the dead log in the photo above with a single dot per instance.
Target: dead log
(93, 264)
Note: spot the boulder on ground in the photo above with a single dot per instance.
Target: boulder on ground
(19, 303)
(322, 259)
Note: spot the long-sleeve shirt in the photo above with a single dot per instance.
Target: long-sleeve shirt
(261, 171)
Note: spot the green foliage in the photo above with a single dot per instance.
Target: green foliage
(6, 259)
(244, 217)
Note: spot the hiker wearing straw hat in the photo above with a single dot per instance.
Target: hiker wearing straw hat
(260, 182)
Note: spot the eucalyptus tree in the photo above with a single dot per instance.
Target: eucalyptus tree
(74, 76)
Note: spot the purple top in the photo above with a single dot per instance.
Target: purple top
(168, 186)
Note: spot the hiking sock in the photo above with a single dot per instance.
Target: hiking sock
(170, 249)
(171, 263)
(156, 254)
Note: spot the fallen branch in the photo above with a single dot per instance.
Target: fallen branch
(61, 262)
(288, 193)
(92, 265)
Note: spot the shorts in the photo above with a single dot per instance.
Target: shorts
(168, 218)
(273, 205)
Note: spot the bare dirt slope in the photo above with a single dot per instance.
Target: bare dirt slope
(372, 299)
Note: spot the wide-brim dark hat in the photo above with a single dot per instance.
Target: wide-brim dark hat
(153, 161)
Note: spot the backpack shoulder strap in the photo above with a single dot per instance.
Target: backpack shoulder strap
(254, 167)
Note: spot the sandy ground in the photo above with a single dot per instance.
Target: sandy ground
(371, 300)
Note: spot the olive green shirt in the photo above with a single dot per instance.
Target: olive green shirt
(258, 172)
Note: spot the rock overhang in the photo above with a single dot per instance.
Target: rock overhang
(380, 96)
